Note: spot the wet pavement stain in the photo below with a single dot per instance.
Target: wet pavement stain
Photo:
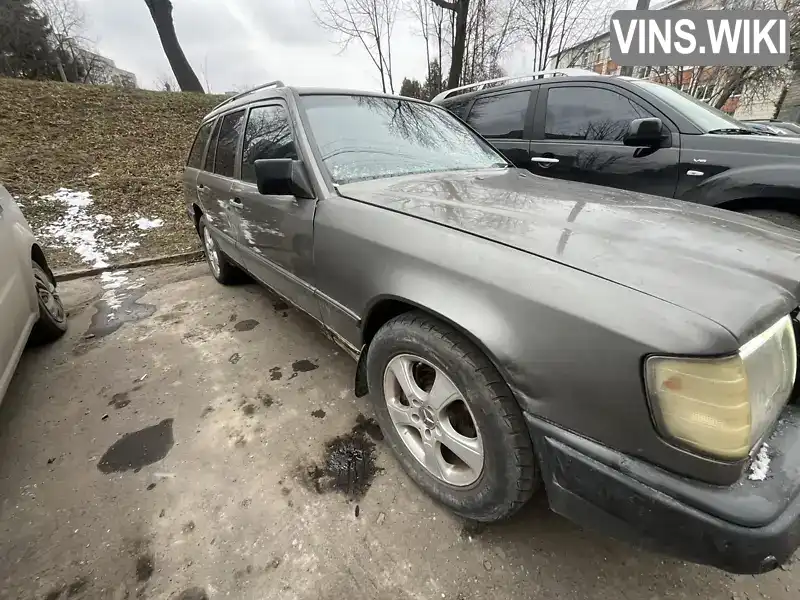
(319, 413)
(275, 373)
(235, 358)
(107, 319)
(246, 325)
(304, 366)
(138, 449)
(145, 565)
(194, 593)
(68, 591)
(265, 399)
(120, 400)
(369, 426)
(348, 466)
(279, 305)
(249, 409)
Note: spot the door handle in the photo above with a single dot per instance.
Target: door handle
(544, 160)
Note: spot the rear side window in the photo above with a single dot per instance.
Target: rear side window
(229, 132)
(267, 135)
(500, 116)
(589, 113)
(196, 154)
(212, 147)
(459, 108)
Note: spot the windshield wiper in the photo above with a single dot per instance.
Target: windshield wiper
(733, 131)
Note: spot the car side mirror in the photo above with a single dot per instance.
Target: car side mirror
(282, 177)
(644, 132)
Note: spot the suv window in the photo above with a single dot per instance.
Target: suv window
(225, 159)
(589, 113)
(196, 154)
(500, 116)
(212, 147)
(459, 108)
(267, 135)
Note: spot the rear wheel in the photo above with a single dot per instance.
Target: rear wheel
(449, 418)
(52, 323)
(778, 217)
(221, 268)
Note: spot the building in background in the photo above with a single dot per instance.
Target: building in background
(701, 82)
(101, 70)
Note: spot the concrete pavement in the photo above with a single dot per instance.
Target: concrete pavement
(172, 445)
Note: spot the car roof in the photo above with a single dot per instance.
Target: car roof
(283, 91)
(528, 83)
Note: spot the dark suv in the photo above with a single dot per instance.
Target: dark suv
(633, 134)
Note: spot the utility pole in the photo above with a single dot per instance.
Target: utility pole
(640, 5)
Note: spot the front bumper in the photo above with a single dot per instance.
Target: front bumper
(749, 527)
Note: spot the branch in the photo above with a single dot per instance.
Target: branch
(446, 5)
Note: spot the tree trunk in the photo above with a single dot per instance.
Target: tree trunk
(161, 11)
(459, 44)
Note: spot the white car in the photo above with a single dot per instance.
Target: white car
(30, 308)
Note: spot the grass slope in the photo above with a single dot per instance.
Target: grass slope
(55, 135)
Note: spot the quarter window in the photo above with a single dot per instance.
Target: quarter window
(459, 108)
(267, 135)
(212, 147)
(500, 116)
(225, 159)
(589, 113)
(196, 154)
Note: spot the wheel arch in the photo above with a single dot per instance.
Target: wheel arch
(777, 203)
(197, 213)
(384, 308)
(37, 255)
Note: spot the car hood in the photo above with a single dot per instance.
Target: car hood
(737, 270)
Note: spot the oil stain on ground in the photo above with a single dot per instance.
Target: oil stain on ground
(303, 366)
(194, 593)
(348, 465)
(275, 373)
(138, 449)
(246, 325)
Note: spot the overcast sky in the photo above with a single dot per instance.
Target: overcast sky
(240, 43)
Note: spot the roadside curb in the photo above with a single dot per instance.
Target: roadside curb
(167, 259)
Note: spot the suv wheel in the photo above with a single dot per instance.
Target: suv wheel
(219, 264)
(449, 418)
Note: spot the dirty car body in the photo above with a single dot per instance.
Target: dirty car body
(29, 304)
(648, 345)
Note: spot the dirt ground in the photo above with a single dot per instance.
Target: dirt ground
(171, 447)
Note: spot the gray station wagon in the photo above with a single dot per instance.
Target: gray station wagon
(634, 356)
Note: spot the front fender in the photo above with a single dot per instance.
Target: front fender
(760, 181)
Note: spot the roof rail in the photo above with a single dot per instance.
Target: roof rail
(276, 83)
(567, 72)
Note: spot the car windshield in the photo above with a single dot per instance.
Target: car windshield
(701, 114)
(371, 137)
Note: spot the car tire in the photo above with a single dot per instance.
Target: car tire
(454, 383)
(52, 323)
(778, 217)
(221, 267)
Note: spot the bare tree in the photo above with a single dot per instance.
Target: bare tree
(67, 32)
(161, 12)
(460, 18)
(552, 26)
(166, 83)
(492, 29)
(370, 22)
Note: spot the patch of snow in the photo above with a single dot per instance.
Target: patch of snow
(112, 281)
(145, 223)
(77, 230)
(93, 175)
(759, 468)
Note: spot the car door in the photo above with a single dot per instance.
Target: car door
(216, 181)
(194, 165)
(15, 297)
(578, 133)
(275, 231)
(503, 119)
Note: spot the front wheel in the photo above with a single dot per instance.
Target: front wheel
(52, 323)
(449, 418)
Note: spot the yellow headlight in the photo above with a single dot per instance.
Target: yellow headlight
(721, 406)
